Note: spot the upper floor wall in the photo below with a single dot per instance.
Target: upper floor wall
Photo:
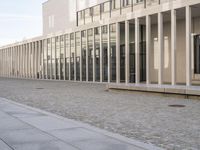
(112, 9)
(61, 15)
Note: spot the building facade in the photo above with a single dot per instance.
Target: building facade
(151, 42)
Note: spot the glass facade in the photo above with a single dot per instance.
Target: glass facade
(53, 66)
(72, 55)
(90, 55)
(132, 53)
(57, 65)
(197, 54)
(105, 53)
(122, 52)
(62, 57)
(113, 53)
(97, 54)
(78, 55)
(142, 53)
(83, 52)
(67, 57)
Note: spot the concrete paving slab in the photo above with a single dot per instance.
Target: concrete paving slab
(89, 140)
(26, 136)
(47, 123)
(10, 124)
(17, 111)
(46, 131)
(52, 145)
(4, 146)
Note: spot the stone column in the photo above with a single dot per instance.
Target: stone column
(94, 57)
(75, 53)
(148, 48)
(101, 56)
(160, 48)
(188, 45)
(127, 52)
(173, 46)
(137, 51)
(118, 52)
(81, 56)
(87, 67)
(109, 72)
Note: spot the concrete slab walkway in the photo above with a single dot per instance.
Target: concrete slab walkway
(26, 128)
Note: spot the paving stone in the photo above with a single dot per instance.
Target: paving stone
(52, 145)
(4, 146)
(91, 140)
(47, 123)
(26, 136)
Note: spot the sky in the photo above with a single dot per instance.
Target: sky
(19, 20)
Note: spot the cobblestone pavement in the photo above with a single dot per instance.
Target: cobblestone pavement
(143, 117)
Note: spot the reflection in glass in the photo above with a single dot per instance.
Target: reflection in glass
(78, 55)
(57, 57)
(97, 54)
(122, 52)
(83, 36)
(72, 55)
(67, 57)
(113, 53)
(44, 57)
(62, 57)
(53, 58)
(132, 53)
(142, 53)
(90, 55)
(49, 58)
(105, 53)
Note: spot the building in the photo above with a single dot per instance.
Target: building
(137, 43)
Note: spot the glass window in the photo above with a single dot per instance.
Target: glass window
(197, 54)
(132, 53)
(96, 10)
(113, 53)
(83, 36)
(57, 57)
(72, 55)
(49, 58)
(105, 53)
(122, 52)
(44, 57)
(106, 7)
(62, 57)
(67, 56)
(97, 54)
(90, 55)
(53, 57)
(78, 55)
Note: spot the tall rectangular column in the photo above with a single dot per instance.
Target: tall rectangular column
(87, 67)
(137, 51)
(118, 52)
(81, 60)
(188, 46)
(101, 57)
(127, 52)
(148, 48)
(173, 46)
(75, 54)
(160, 48)
(94, 57)
(108, 53)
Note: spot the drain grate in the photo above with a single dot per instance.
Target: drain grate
(177, 106)
(39, 88)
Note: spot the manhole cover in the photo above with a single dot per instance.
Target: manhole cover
(39, 88)
(177, 105)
